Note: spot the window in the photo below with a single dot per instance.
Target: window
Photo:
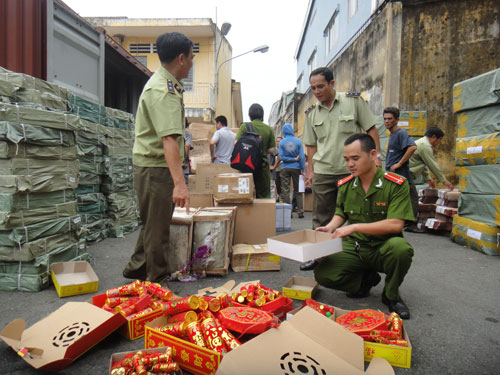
(196, 47)
(353, 7)
(189, 81)
(331, 32)
(141, 48)
(311, 63)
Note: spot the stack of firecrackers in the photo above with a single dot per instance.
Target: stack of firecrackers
(145, 363)
(426, 207)
(446, 208)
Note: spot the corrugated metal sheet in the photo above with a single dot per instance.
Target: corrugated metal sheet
(22, 36)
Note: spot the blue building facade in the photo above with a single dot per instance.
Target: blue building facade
(328, 26)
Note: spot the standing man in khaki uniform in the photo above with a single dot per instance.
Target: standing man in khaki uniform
(329, 123)
(157, 156)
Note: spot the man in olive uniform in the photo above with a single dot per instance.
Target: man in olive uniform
(157, 157)
(376, 205)
(262, 176)
(328, 124)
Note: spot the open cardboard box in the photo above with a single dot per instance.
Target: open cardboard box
(58, 339)
(299, 287)
(306, 343)
(72, 278)
(304, 245)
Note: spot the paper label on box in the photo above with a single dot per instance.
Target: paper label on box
(223, 188)
(474, 234)
(475, 150)
(244, 185)
(403, 123)
(71, 179)
(77, 220)
(82, 246)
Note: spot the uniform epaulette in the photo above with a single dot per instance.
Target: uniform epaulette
(353, 94)
(170, 87)
(394, 178)
(344, 180)
(309, 109)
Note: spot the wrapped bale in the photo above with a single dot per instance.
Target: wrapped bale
(484, 208)
(476, 92)
(479, 179)
(478, 150)
(476, 235)
(479, 121)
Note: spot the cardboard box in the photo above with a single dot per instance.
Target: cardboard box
(72, 278)
(192, 183)
(308, 202)
(205, 176)
(198, 161)
(190, 357)
(253, 258)
(201, 200)
(233, 188)
(134, 327)
(181, 239)
(304, 245)
(57, 340)
(255, 222)
(300, 287)
(117, 357)
(306, 343)
(283, 217)
(201, 131)
(201, 147)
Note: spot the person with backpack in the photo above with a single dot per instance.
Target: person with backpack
(263, 144)
(292, 156)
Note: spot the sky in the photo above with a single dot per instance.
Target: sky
(277, 23)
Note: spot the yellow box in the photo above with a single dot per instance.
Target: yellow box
(300, 287)
(72, 278)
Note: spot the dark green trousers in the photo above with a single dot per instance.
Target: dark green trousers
(262, 182)
(286, 175)
(325, 189)
(344, 270)
(154, 188)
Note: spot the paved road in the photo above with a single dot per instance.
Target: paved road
(453, 293)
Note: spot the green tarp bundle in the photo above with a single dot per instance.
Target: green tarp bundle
(36, 135)
(89, 149)
(118, 151)
(119, 205)
(97, 236)
(25, 81)
(480, 207)
(33, 116)
(21, 235)
(30, 250)
(478, 121)
(96, 226)
(121, 230)
(87, 189)
(118, 164)
(479, 179)
(478, 150)
(45, 99)
(478, 91)
(21, 166)
(117, 182)
(7, 89)
(13, 219)
(92, 164)
(31, 201)
(87, 110)
(85, 178)
(92, 203)
(39, 183)
(10, 150)
(119, 115)
(475, 235)
(120, 144)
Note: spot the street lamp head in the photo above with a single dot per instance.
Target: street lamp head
(262, 49)
(226, 26)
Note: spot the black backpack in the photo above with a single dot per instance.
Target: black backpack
(247, 152)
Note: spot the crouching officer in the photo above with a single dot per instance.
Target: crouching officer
(375, 204)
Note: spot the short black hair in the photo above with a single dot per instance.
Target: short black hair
(324, 71)
(171, 45)
(222, 120)
(392, 110)
(187, 123)
(367, 142)
(256, 112)
(434, 131)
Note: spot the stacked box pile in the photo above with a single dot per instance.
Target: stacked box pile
(427, 199)
(476, 101)
(445, 209)
(92, 203)
(39, 221)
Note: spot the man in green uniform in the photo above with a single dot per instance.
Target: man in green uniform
(262, 176)
(376, 205)
(328, 124)
(157, 156)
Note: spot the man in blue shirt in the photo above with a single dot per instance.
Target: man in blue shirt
(399, 150)
(291, 154)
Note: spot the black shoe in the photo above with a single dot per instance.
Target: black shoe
(307, 266)
(137, 275)
(301, 216)
(399, 307)
(370, 279)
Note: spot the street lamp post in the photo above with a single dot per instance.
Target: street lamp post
(262, 49)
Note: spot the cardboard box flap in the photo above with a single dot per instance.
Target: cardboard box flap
(379, 366)
(307, 343)
(228, 288)
(63, 335)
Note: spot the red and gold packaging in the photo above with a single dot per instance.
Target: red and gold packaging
(319, 307)
(165, 368)
(175, 329)
(193, 331)
(115, 301)
(132, 289)
(214, 304)
(179, 305)
(162, 293)
(186, 316)
(212, 335)
(203, 304)
(257, 302)
(230, 341)
(140, 313)
(139, 367)
(224, 300)
(398, 342)
(390, 335)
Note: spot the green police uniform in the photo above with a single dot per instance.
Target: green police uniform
(262, 176)
(327, 129)
(387, 198)
(160, 114)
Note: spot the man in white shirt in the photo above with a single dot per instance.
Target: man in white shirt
(222, 143)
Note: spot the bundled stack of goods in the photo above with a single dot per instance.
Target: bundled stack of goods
(476, 101)
(445, 209)
(39, 221)
(146, 362)
(374, 326)
(427, 199)
(91, 201)
(326, 310)
(200, 154)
